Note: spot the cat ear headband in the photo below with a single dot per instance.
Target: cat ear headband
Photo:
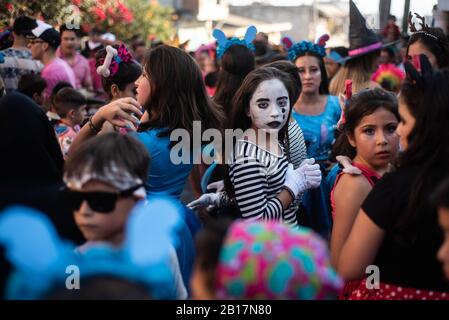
(298, 49)
(110, 64)
(224, 43)
(419, 71)
(40, 259)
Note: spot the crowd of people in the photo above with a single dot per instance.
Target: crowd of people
(338, 162)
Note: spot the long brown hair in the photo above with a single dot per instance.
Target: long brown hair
(236, 63)
(178, 95)
(359, 70)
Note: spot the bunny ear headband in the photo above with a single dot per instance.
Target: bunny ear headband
(40, 259)
(298, 49)
(343, 101)
(224, 43)
(110, 63)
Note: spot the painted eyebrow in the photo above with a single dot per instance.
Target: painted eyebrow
(281, 98)
(263, 100)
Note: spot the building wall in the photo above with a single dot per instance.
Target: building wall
(300, 17)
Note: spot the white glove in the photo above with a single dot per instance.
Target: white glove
(208, 200)
(217, 185)
(307, 176)
(347, 165)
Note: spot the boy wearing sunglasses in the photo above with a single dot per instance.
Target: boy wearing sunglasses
(104, 180)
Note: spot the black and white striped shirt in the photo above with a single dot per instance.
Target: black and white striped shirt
(257, 176)
(296, 147)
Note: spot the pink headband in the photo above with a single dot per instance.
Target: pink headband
(366, 49)
(110, 63)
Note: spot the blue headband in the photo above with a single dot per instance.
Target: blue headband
(302, 47)
(40, 258)
(336, 57)
(224, 43)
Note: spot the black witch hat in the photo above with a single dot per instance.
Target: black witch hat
(362, 40)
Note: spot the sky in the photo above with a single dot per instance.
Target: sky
(423, 7)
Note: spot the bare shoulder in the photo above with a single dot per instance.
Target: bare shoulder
(350, 186)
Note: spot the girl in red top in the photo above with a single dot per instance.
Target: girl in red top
(368, 137)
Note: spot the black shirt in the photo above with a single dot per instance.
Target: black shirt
(407, 256)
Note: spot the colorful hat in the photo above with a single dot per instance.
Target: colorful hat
(269, 260)
(388, 76)
(362, 40)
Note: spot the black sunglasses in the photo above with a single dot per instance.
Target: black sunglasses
(99, 201)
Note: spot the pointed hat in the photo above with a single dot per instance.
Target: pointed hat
(362, 40)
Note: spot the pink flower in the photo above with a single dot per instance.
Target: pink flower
(100, 14)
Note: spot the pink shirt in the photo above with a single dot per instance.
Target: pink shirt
(80, 67)
(56, 71)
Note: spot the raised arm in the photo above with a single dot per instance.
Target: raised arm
(118, 112)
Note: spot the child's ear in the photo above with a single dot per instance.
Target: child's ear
(351, 140)
(247, 113)
(38, 98)
(71, 113)
(115, 92)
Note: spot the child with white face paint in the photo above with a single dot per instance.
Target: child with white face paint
(269, 106)
(259, 177)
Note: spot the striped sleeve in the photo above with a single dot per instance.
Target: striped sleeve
(297, 150)
(249, 178)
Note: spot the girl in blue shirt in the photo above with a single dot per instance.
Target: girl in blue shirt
(317, 114)
(172, 94)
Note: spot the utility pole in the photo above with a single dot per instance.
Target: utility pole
(405, 16)
(384, 11)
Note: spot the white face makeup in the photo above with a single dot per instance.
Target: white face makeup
(269, 106)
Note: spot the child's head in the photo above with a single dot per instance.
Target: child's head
(121, 83)
(263, 102)
(440, 200)
(171, 89)
(313, 73)
(208, 243)
(292, 70)
(270, 260)
(308, 57)
(235, 64)
(70, 106)
(332, 60)
(105, 179)
(369, 128)
(431, 42)
(33, 85)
